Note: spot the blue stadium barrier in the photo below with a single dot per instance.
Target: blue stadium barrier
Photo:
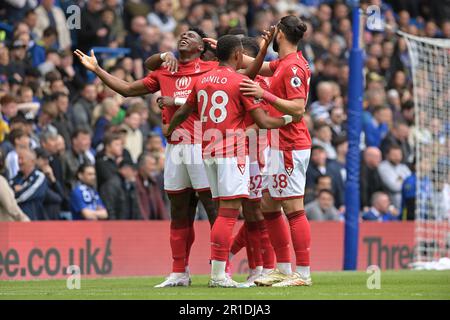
(355, 95)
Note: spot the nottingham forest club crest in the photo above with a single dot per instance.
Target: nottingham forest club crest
(183, 82)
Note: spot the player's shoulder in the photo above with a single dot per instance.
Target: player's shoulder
(296, 60)
(262, 81)
(240, 76)
(209, 64)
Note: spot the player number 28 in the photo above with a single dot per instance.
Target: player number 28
(218, 112)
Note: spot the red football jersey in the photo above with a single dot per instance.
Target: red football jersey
(179, 85)
(217, 100)
(291, 81)
(263, 137)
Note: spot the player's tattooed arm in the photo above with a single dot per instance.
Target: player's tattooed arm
(179, 117)
(126, 89)
(253, 69)
(166, 59)
(294, 107)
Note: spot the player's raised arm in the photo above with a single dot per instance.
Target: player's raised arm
(265, 69)
(294, 107)
(126, 89)
(179, 117)
(253, 69)
(167, 59)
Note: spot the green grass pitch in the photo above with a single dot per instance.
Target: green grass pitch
(327, 285)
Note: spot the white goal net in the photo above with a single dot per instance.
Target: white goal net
(430, 62)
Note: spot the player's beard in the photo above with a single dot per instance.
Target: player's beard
(275, 45)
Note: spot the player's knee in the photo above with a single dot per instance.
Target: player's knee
(292, 205)
(251, 211)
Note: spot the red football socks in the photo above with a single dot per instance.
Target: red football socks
(221, 233)
(239, 241)
(190, 241)
(279, 235)
(301, 236)
(268, 255)
(253, 245)
(179, 235)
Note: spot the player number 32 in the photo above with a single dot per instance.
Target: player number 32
(218, 112)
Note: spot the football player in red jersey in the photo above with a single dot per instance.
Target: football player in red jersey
(221, 107)
(287, 93)
(184, 172)
(253, 234)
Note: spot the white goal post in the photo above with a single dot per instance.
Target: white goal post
(430, 68)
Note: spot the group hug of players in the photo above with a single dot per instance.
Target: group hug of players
(224, 97)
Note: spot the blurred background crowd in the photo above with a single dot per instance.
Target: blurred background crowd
(68, 142)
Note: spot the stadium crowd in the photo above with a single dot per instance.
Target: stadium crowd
(69, 143)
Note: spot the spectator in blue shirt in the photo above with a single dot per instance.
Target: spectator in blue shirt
(30, 186)
(381, 209)
(85, 202)
(376, 127)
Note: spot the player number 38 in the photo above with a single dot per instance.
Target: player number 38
(218, 112)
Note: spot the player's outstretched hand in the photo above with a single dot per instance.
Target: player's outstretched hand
(90, 62)
(267, 37)
(170, 62)
(251, 88)
(212, 42)
(165, 102)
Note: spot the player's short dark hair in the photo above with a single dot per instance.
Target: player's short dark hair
(250, 46)
(238, 31)
(293, 28)
(227, 45)
(202, 35)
